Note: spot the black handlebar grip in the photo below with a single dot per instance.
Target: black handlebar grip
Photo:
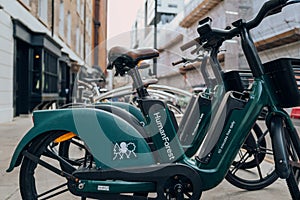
(178, 62)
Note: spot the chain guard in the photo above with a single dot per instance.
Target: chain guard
(172, 181)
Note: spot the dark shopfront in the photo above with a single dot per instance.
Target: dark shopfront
(41, 71)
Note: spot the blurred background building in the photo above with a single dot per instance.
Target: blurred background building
(43, 44)
(277, 36)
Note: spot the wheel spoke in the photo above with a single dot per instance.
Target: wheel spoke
(258, 168)
(188, 194)
(78, 144)
(241, 162)
(52, 190)
(262, 137)
(266, 150)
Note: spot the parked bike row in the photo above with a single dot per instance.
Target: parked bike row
(165, 143)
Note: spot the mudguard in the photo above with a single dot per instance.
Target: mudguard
(113, 142)
(128, 107)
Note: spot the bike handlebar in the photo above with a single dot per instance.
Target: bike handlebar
(266, 10)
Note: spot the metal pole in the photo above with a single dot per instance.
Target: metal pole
(84, 30)
(97, 25)
(155, 39)
(52, 18)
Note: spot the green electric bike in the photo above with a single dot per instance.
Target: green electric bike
(122, 164)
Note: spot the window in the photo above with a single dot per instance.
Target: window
(50, 73)
(43, 10)
(90, 5)
(69, 28)
(62, 87)
(36, 71)
(62, 18)
(89, 26)
(77, 40)
(88, 53)
(81, 46)
(82, 12)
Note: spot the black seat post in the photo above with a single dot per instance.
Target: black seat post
(138, 83)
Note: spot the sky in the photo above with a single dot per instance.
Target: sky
(121, 15)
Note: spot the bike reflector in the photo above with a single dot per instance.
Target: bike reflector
(65, 137)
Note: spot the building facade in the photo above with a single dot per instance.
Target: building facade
(44, 44)
(277, 36)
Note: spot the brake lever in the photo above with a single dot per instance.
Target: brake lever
(183, 60)
(186, 60)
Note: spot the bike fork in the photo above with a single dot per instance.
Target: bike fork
(276, 127)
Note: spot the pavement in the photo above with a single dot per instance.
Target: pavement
(12, 132)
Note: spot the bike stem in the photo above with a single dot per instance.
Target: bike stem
(250, 51)
(253, 59)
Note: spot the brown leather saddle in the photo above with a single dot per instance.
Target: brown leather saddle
(123, 59)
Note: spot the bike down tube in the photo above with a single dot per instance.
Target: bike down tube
(237, 126)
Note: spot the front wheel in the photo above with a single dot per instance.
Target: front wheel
(253, 168)
(293, 150)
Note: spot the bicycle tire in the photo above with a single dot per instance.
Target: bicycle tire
(34, 178)
(293, 181)
(258, 181)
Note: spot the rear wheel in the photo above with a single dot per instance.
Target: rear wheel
(253, 168)
(41, 176)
